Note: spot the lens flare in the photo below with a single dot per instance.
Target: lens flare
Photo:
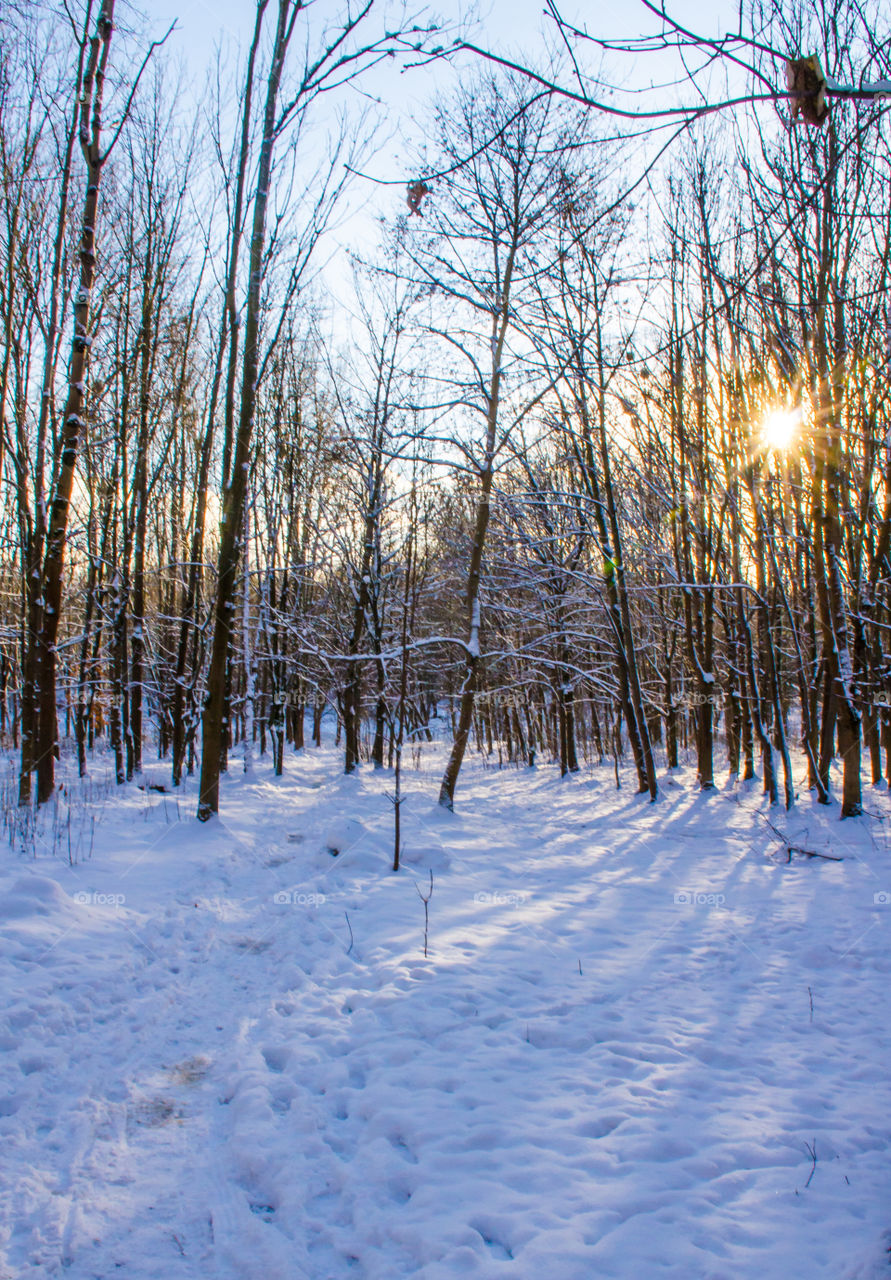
(779, 428)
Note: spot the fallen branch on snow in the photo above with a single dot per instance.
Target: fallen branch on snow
(798, 848)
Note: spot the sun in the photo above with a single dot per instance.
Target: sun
(779, 428)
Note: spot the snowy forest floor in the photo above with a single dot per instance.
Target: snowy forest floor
(642, 1044)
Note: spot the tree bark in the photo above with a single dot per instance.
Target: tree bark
(72, 423)
(213, 720)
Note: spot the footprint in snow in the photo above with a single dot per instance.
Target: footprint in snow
(491, 1238)
(251, 944)
(276, 1057)
(398, 1143)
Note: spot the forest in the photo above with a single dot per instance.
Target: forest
(445, 541)
(592, 463)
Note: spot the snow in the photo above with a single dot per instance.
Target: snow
(225, 1055)
(473, 646)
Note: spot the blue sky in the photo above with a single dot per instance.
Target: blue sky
(399, 102)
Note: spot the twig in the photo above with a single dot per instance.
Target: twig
(812, 1152)
(811, 998)
(425, 901)
(812, 853)
(799, 849)
(350, 927)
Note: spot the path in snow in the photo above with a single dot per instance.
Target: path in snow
(630, 1026)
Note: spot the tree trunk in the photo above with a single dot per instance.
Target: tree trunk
(72, 422)
(213, 720)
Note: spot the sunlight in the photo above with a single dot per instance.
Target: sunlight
(779, 428)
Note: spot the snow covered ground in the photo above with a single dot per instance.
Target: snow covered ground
(225, 1055)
